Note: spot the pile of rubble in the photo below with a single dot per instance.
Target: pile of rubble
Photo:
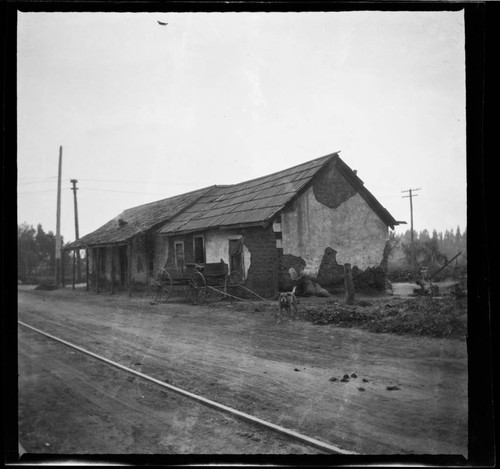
(428, 316)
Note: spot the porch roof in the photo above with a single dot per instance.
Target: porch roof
(137, 220)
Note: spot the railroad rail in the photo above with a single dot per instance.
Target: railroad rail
(327, 447)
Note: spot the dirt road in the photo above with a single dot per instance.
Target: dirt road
(74, 404)
(279, 372)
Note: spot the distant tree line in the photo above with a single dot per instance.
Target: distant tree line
(431, 251)
(36, 254)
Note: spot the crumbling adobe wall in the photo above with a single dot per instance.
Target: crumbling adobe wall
(332, 214)
(262, 276)
(286, 262)
(217, 247)
(331, 188)
(330, 272)
(373, 277)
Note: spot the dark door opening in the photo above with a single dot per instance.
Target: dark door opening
(199, 251)
(123, 261)
(236, 256)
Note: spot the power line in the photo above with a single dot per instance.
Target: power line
(37, 178)
(122, 192)
(123, 181)
(36, 192)
(35, 182)
(95, 189)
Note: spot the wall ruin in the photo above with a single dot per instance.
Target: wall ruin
(330, 225)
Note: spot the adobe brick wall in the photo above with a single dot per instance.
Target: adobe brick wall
(263, 271)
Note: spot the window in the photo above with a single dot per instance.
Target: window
(199, 249)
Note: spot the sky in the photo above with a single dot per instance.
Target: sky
(144, 111)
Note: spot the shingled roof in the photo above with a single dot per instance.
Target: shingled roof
(136, 220)
(254, 202)
(258, 201)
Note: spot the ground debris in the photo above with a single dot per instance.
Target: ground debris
(427, 316)
(364, 303)
(392, 388)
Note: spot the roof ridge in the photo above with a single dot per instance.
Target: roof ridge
(206, 189)
(228, 204)
(283, 170)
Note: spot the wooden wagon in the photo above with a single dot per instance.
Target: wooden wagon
(196, 282)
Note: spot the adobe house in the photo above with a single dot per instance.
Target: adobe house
(314, 217)
(123, 250)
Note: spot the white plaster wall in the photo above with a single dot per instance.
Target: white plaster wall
(161, 251)
(217, 247)
(353, 230)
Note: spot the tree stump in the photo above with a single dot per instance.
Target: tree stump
(349, 284)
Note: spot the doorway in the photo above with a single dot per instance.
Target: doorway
(123, 261)
(236, 256)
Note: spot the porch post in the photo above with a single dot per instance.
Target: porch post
(87, 269)
(349, 284)
(98, 259)
(129, 268)
(112, 270)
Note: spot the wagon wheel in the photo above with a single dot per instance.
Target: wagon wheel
(198, 288)
(166, 282)
(161, 286)
(154, 288)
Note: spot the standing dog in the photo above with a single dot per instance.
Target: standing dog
(286, 302)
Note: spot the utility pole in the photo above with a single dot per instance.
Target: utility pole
(58, 222)
(77, 236)
(412, 247)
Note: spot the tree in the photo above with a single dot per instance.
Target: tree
(424, 236)
(36, 252)
(27, 257)
(46, 250)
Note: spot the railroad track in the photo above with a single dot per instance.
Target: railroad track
(324, 446)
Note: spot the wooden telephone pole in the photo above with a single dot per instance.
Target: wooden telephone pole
(77, 235)
(412, 246)
(58, 224)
